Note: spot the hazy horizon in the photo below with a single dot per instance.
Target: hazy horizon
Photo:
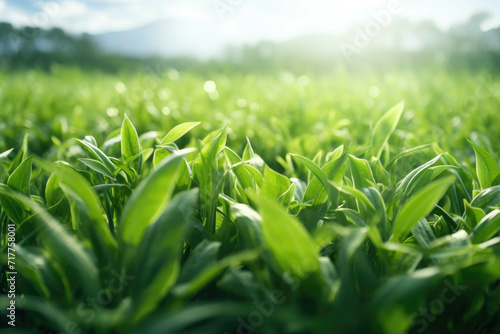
(248, 22)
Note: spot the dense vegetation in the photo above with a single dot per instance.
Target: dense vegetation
(282, 113)
(247, 203)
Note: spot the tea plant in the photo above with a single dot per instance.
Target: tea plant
(143, 234)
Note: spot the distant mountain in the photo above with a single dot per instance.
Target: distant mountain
(403, 43)
(492, 39)
(173, 38)
(179, 38)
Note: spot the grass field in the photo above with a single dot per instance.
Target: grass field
(281, 113)
(167, 202)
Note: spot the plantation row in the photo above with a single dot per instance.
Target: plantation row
(141, 234)
(281, 113)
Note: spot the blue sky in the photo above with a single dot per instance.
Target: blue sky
(247, 20)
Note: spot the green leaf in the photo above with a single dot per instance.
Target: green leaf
(91, 140)
(11, 207)
(425, 177)
(385, 127)
(53, 315)
(487, 199)
(241, 283)
(419, 206)
(53, 192)
(359, 195)
(330, 278)
(73, 184)
(362, 175)
(274, 184)
(21, 155)
(178, 131)
(248, 226)
(149, 199)
(379, 219)
(321, 176)
(452, 249)
(204, 256)
(472, 215)
(486, 167)
(397, 299)
(130, 140)
(334, 170)
(349, 245)
(256, 175)
(62, 246)
(122, 166)
(238, 167)
(287, 196)
(205, 171)
(413, 175)
(160, 154)
(97, 154)
(33, 264)
(407, 153)
(98, 167)
(92, 225)
(159, 253)
(422, 231)
(206, 162)
(486, 228)
(248, 153)
(192, 286)
(300, 189)
(291, 245)
(20, 179)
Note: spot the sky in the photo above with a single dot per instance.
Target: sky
(248, 20)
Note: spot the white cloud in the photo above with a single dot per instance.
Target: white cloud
(249, 20)
(188, 12)
(14, 15)
(77, 16)
(73, 9)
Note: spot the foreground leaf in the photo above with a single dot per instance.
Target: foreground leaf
(291, 245)
(385, 127)
(486, 228)
(63, 246)
(419, 206)
(486, 167)
(158, 263)
(178, 131)
(129, 140)
(149, 199)
(20, 179)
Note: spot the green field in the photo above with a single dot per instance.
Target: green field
(181, 202)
